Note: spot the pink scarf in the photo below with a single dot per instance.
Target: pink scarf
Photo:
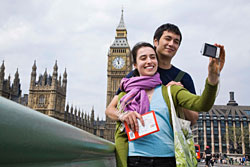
(136, 98)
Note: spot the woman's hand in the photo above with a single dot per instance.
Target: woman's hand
(215, 66)
(130, 118)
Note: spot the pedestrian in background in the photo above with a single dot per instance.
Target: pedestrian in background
(208, 156)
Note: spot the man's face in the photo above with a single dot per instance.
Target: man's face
(168, 44)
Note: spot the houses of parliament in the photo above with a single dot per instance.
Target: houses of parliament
(47, 92)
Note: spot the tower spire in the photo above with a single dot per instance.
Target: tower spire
(45, 75)
(34, 66)
(55, 69)
(8, 83)
(16, 90)
(64, 84)
(2, 68)
(65, 74)
(33, 75)
(121, 25)
(54, 77)
(60, 80)
(16, 79)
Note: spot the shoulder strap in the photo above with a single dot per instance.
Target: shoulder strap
(179, 76)
(166, 99)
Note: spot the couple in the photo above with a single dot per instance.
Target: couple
(145, 88)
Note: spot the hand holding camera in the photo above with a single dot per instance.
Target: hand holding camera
(216, 54)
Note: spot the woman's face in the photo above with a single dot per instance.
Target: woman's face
(146, 61)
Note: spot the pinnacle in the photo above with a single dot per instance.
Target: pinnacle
(121, 25)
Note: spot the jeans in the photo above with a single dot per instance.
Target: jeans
(137, 161)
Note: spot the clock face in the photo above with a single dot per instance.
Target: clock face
(118, 62)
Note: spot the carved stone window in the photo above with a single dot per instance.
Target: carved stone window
(41, 100)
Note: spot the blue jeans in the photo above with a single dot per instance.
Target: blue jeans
(137, 161)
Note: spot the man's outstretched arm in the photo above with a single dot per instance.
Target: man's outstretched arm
(112, 111)
(191, 115)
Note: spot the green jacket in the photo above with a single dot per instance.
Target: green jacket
(181, 98)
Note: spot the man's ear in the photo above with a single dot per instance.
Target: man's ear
(156, 42)
(134, 65)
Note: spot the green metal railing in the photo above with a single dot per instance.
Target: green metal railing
(29, 138)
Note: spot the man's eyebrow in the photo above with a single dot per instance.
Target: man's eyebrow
(169, 36)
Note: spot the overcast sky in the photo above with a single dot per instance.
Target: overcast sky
(78, 34)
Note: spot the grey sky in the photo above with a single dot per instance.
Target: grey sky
(78, 34)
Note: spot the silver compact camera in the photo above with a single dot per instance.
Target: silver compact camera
(210, 50)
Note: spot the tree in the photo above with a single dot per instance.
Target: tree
(235, 136)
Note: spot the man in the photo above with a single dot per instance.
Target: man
(208, 156)
(167, 40)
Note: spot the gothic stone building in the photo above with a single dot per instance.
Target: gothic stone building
(47, 95)
(84, 121)
(11, 91)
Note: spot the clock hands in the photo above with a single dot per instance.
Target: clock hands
(118, 61)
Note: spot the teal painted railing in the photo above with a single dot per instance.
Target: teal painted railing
(29, 138)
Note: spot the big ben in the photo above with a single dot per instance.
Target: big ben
(119, 65)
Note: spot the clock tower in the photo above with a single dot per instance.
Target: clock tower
(119, 65)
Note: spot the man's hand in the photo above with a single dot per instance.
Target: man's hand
(174, 83)
(215, 66)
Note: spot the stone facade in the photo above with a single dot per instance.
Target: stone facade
(84, 121)
(47, 94)
(213, 128)
(12, 91)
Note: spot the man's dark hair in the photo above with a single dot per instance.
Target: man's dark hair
(167, 27)
(135, 50)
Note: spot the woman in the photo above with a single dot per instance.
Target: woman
(143, 94)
